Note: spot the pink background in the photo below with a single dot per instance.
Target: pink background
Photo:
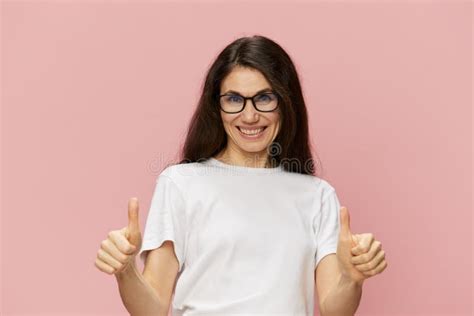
(96, 96)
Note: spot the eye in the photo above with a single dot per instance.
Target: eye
(263, 97)
(234, 99)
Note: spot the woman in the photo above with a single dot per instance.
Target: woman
(242, 224)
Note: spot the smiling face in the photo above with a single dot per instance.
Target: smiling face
(249, 132)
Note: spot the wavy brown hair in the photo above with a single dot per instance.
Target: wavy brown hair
(206, 136)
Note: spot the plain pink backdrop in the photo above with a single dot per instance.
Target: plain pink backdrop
(96, 97)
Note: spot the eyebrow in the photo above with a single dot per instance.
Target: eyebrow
(258, 92)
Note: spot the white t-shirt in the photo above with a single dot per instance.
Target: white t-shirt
(247, 239)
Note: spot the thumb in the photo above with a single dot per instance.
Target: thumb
(133, 222)
(345, 222)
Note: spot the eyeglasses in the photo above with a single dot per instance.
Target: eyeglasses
(235, 103)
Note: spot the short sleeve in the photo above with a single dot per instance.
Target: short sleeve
(166, 219)
(327, 226)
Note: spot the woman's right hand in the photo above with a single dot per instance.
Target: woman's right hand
(119, 250)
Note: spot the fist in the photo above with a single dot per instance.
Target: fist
(120, 248)
(360, 256)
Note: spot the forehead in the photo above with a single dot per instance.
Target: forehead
(246, 81)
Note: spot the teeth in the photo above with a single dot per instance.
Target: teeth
(251, 132)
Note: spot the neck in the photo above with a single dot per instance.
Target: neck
(254, 160)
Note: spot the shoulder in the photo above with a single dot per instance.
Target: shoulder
(324, 187)
(319, 185)
(181, 173)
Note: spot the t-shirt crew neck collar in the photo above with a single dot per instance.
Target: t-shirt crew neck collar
(215, 162)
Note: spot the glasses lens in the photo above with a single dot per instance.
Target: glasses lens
(266, 102)
(231, 103)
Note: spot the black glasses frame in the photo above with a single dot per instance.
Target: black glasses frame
(249, 98)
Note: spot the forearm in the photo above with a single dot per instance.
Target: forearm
(139, 298)
(343, 299)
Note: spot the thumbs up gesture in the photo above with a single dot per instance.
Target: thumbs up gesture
(118, 251)
(360, 256)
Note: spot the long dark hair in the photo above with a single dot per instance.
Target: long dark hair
(206, 136)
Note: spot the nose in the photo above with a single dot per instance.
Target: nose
(249, 113)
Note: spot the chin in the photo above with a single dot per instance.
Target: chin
(253, 148)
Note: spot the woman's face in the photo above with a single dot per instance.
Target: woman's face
(248, 82)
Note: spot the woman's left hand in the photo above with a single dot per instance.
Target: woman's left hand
(360, 256)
